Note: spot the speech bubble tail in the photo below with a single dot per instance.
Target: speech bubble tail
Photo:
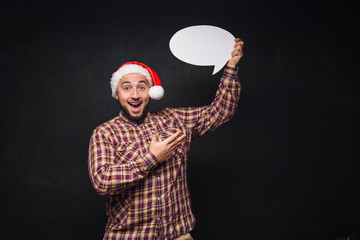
(217, 68)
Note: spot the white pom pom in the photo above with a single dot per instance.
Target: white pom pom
(156, 92)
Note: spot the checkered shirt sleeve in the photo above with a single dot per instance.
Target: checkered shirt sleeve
(109, 178)
(201, 120)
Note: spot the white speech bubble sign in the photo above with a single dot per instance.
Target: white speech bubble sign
(203, 45)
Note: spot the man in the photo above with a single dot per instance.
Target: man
(138, 160)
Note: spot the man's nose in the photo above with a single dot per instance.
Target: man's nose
(135, 93)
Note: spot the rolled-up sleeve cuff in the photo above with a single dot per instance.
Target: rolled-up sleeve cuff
(230, 71)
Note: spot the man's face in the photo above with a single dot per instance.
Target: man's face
(133, 95)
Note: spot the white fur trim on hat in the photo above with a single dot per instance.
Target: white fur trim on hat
(156, 92)
(125, 70)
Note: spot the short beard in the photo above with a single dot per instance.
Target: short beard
(135, 119)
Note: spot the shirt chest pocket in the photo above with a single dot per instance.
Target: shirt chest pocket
(165, 133)
(127, 152)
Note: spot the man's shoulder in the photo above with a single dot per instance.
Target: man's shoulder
(108, 125)
(165, 113)
(172, 114)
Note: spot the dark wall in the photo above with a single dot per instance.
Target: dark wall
(286, 167)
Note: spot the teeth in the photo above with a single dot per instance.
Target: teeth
(135, 105)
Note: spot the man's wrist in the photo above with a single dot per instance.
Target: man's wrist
(231, 65)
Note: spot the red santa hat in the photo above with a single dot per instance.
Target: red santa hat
(156, 91)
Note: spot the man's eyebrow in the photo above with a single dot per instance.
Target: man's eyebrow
(128, 82)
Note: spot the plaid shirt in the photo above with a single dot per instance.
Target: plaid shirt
(147, 199)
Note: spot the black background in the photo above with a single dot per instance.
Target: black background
(286, 167)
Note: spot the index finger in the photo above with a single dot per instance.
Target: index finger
(172, 137)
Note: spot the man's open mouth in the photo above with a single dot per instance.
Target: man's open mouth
(135, 105)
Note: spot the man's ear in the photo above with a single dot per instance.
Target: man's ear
(117, 97)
